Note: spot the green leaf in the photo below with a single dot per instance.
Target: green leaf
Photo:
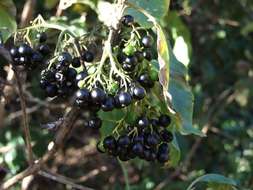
(110, 120)
(178, 93)
(181, 36)
(182, 97)
(175, 152)
(158, 9)
(213, 178)
(215, 186)
(163, 57)
(8, 23)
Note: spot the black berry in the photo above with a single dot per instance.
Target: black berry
(127, 20)
(164, 120)
(98, 95)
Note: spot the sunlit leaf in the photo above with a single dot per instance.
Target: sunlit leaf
(157, 9)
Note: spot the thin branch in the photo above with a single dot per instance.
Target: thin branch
(91, 174)
(61, 136)
(24, 117)
(62, 179)
(27, 13)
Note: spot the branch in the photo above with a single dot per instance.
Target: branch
(64, 129)
(24, 117)
(63, 180)
(27, 13)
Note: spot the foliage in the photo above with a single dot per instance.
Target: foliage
(214, 43)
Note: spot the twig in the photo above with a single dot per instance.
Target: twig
(27, 13)
(62, 179)
(24, 117)
(20, 113)
(91, 174)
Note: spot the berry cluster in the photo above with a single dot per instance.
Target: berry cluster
(59, 80)
(24, 55)
(124, 76)
(149, 141)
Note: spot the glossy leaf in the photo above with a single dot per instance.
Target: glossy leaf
(213, 178)
(157, 9)
(181, 35)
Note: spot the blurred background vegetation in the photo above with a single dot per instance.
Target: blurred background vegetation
(214, 39)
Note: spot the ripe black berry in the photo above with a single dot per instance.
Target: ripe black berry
(51, 90)
(151, 140)
(147, 54)
(149, 154)
(42, 37)
(147, 41)
(131, 60)
(137, 149)
(44, 49)
(108, 104)
(76, 62)
(83, 94)
(164, 120)
(123, 141)
(123, 99)
(164, 147)
(166, 136)
(162, 157)
(65, 58)
(138, 92)
(139, 138)
(14, 52)
(127, 20)
(36, 58)
(71, 74)
(82, 75)
(23, 60)
(88, 56)
(145, 80)
(109, 143)
(128, 67)
(25, 50)
(95, 123)
(142, 122)
(154, 123)
(98, 95)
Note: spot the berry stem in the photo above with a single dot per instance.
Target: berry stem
(125, 173)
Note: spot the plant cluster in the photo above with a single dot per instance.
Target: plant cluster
(124, 77)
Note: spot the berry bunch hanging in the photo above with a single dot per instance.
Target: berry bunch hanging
(122, 78)
(148, 139)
